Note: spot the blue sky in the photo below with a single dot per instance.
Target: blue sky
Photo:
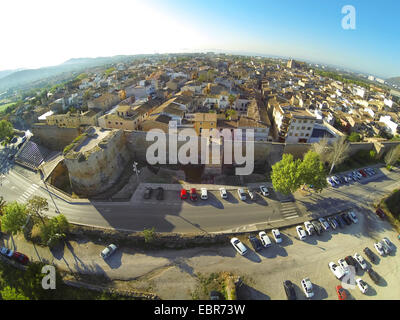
(306, 29)
(37, 33)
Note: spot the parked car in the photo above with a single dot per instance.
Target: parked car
(108, 251)
(239, 246)
(6, 252)
(317, 227)
(147, 193)
(183, 194)
(265, 240)
(324, 224)
(341, 179)
(215, 295)
(223, 193)
(330, 182)
(193, 194)
(301, 232)
(14, 140)
(335, 180)
(370, 255)
(357, 174)
(241, 194)
(20, 257)
(385, 248)
(307, 287)
(352, 216)
(336, 270)
(379, 212)
(10, 157)
(373, 275)
(252, 194)
(204, 195)
(277, 235)
(361, 261)
(256, 243)
(362, 285)
(362, 173)
(344, 265)
(309, 227)
(379, 249)
(264, 191)
(340, 221)
(332, 222)
(388, 243)
(352, 262)
(289, 290)
(342, 295)
(160, 193)
(346, 218)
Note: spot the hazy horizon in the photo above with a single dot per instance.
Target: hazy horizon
(48, 35)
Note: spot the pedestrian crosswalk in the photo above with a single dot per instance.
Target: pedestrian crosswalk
(28, 193)
(289, 210)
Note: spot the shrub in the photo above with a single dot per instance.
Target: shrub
(149, 235)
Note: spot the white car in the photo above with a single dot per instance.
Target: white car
(379, 248)
(265, 240)
(264, 191)
(344, 265)
(385, 248)
(277, 235)
(335, 179)
(241, 194)
(309, 227)
(223, 193)
(386, 241)
(336, 270)
(331, 182)
(353, 216)
(252, 194)
(324, 224)
(239, 246)
(301, 232)
(360, 261)
(204, 195)
(362, 285)
(108, 251)
(307, 287)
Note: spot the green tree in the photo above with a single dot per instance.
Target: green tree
(37, 206)
(285, 174)
(54, 230)
(231, 99)
(312, 171)
(2, 205)
(354, 137)
(14, 217)
(9, 293)
(149, 235)
(6, 130)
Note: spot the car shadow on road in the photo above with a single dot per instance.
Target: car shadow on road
(245, 292)
(319, 292)
(311, 240)
(231, 198)
(253, 256)
(371, 291)
(286, 241)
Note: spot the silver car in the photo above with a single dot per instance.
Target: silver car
(108, 251)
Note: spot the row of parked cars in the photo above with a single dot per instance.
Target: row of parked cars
(15, 255)
(355, 175)
(192, 193)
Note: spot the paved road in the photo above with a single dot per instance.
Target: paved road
(212, 215)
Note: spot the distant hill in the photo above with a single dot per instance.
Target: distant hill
(395, 80)
(24, 77)
(5, 73)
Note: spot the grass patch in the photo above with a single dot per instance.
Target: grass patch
(391, 206)
(16, 284)
(213, 282)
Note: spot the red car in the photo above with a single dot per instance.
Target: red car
(379, 212)
(20, 257)
(184, 194)
(363, 173)
(193, 194)
(342, 295)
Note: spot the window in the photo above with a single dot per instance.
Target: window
(303, 128)
(292, 127)
(296, 134)
(305, 121)
(294, 120)
(307, 134)
(290, 134)
(298, 128)
(309, 128)
(302, 135)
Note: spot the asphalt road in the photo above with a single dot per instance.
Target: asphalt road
(212, 215)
